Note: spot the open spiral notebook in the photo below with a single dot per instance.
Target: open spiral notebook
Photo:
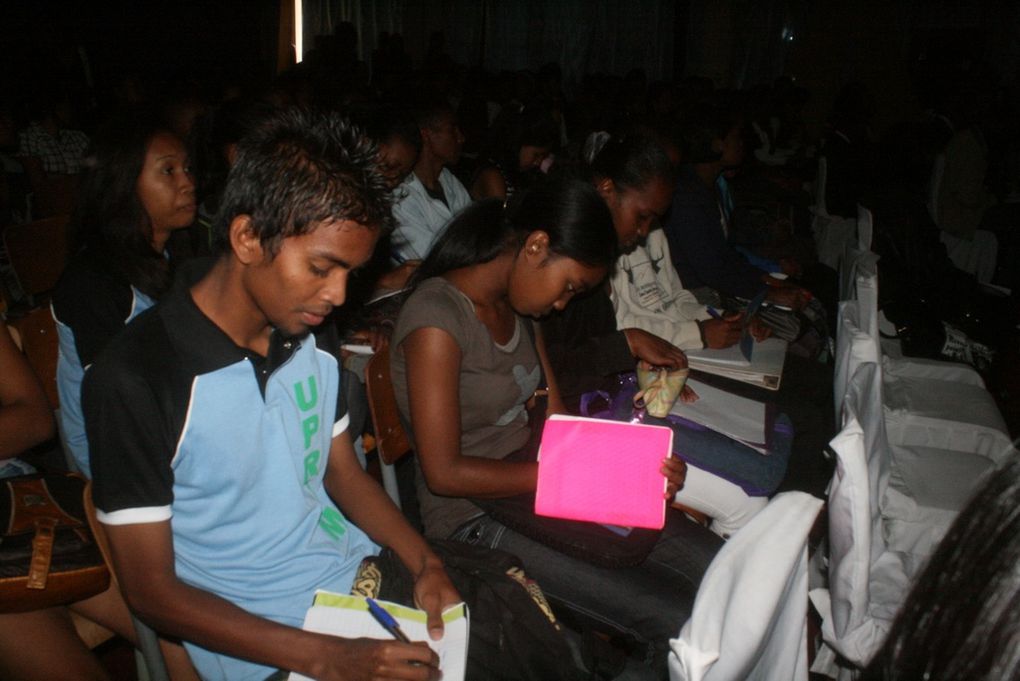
(348, 616)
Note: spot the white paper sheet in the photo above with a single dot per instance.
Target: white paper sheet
(348, 616)
(734, 416)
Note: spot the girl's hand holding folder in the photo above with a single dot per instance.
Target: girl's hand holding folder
(675, 470)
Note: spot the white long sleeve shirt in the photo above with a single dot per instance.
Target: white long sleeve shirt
(647, 294)
(421, 218)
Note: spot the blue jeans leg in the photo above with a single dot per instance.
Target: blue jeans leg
(757, 474)
(649, 601)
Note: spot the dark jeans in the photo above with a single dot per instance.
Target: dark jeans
(649, 602)
(805, 397)
(758, 474)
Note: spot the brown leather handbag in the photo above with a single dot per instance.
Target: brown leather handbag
(48, 554)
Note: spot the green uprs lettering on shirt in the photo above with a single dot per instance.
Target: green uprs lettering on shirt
(311, 465)
(299, 393)
(331, 520)
(309, 425)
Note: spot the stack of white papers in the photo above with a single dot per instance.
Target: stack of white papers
(763, 369)
(738, 418)
(348, 616)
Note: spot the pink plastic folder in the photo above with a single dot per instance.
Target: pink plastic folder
(603, 471)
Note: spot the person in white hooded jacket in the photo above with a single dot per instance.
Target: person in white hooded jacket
(647, 294)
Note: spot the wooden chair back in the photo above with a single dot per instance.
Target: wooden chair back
(91, 633)
(36, 333)
(391, 440)
(38, 252)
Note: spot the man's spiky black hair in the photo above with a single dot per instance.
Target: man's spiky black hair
(300, 168)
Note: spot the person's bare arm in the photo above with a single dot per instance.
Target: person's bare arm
(554, 396)
(25, 415)
(365, 503)
(722, 332)
(143, 558)
(433, 386)
(786, 293)
(489, 184)
(656, 351)
(759, 329)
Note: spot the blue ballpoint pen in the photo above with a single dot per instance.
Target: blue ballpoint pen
(386, 620)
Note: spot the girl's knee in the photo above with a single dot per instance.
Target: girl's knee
(738, 516)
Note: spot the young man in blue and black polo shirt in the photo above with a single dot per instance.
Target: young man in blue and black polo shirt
(223, 470)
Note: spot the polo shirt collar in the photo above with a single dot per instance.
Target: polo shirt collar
(198, 336)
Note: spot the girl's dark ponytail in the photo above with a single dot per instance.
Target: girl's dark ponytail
(477, 234)
(571, 212)
(631, 162)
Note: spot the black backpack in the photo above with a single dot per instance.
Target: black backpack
(513, 635)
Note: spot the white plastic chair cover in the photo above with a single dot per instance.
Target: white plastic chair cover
(853, 347)
(867, 583)
(832, 234)
(865, 228)
(928, 404)
(749, 618)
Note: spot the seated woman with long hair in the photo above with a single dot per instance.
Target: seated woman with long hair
(519, 144)
(136, 190)
(464, 364)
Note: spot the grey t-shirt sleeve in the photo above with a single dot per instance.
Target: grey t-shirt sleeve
(434, 304)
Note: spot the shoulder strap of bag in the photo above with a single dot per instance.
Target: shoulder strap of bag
(33, 509)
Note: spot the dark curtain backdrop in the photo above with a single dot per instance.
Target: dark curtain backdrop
(583, 36)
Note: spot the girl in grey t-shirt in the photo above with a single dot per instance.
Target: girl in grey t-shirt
(463, 366)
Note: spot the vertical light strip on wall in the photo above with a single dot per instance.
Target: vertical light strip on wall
(299, 32)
